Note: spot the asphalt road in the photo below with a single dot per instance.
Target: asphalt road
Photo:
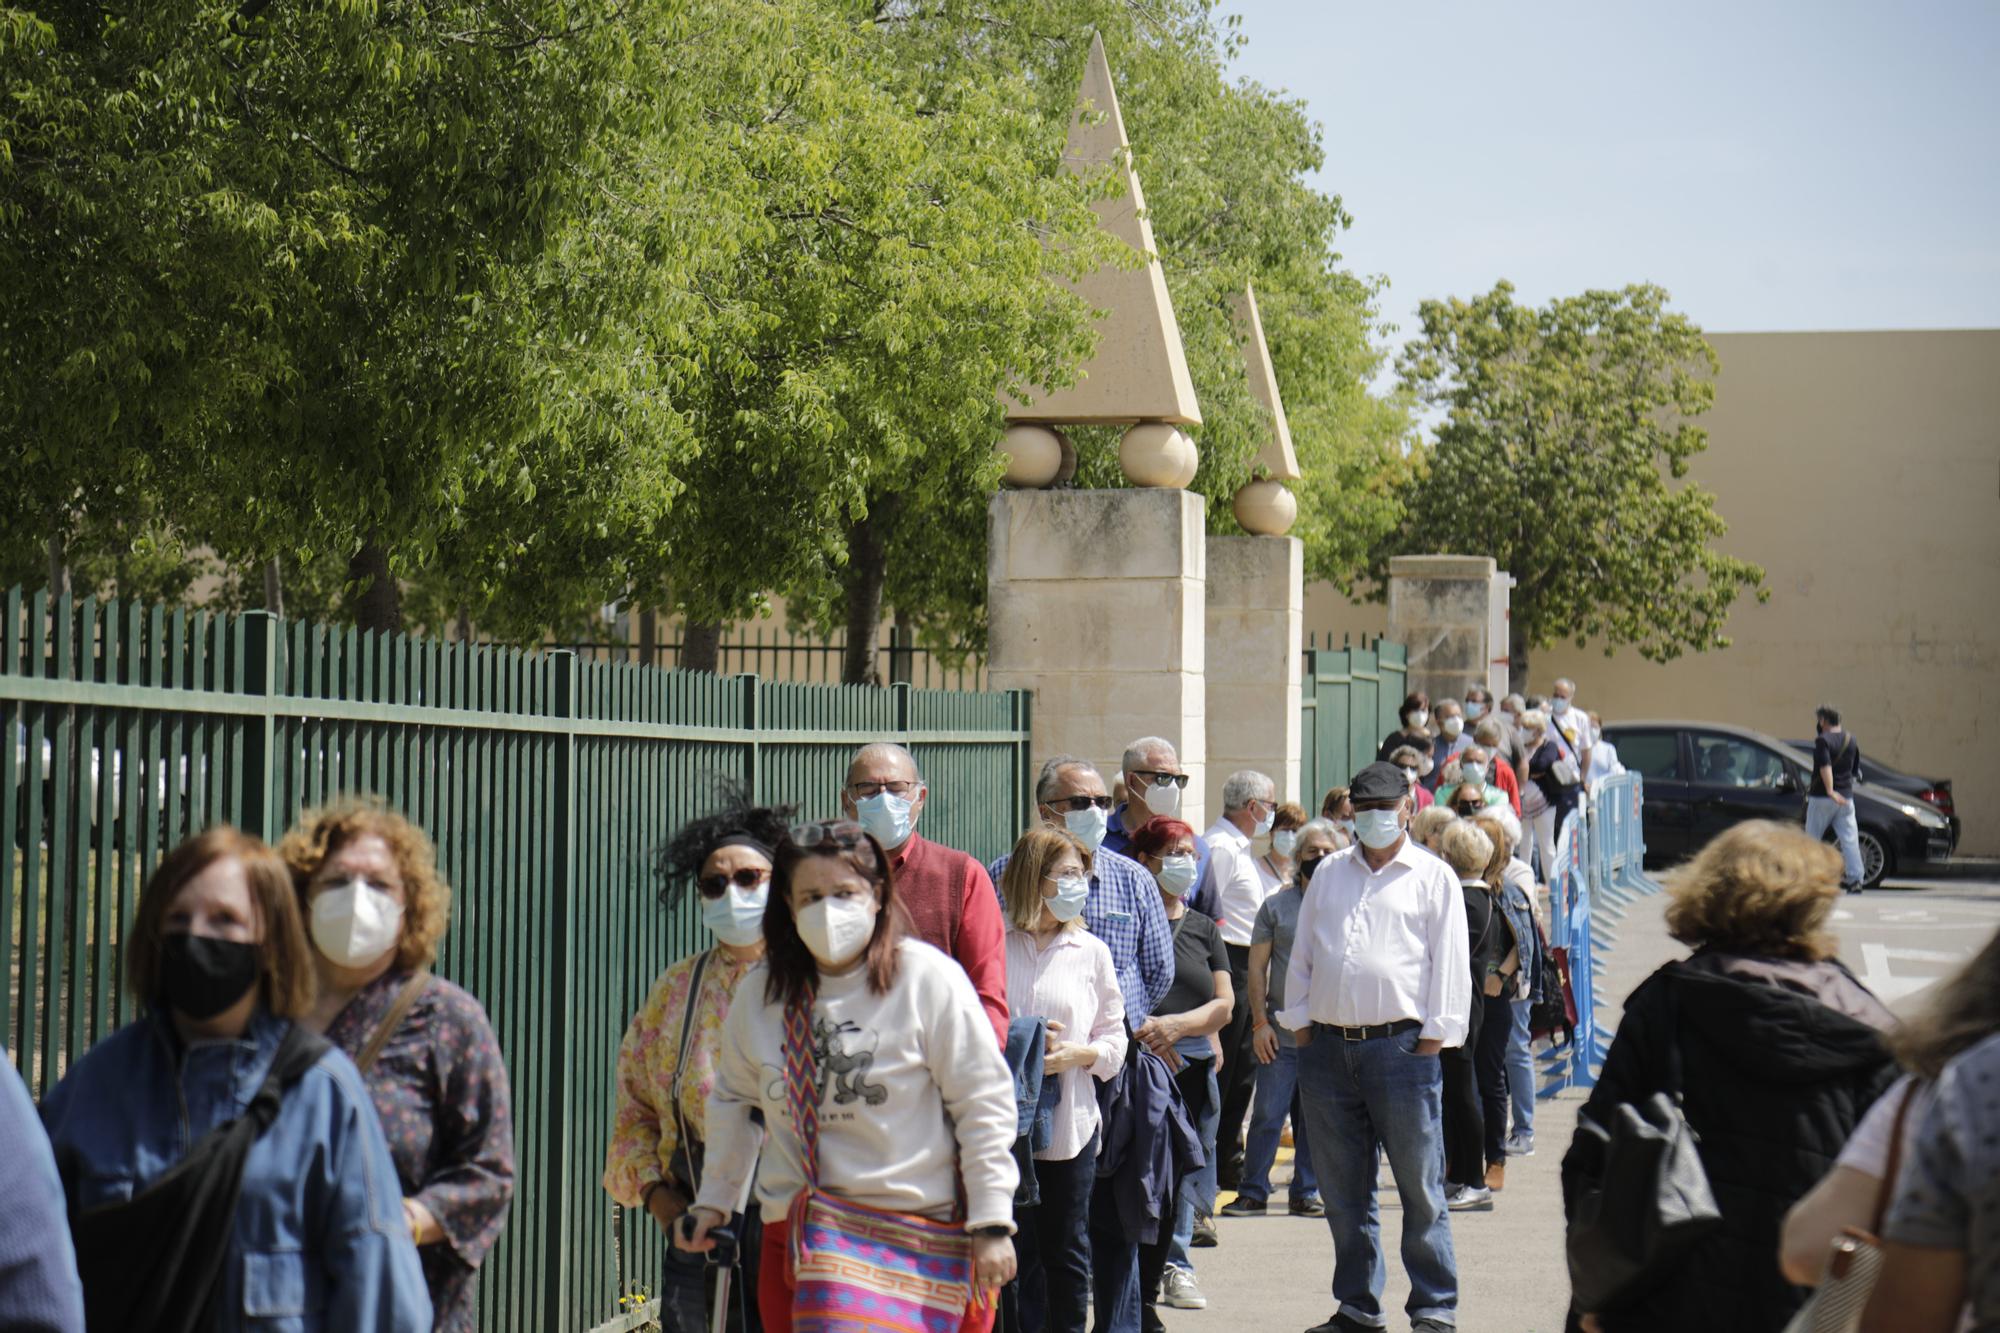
(1274, 1273)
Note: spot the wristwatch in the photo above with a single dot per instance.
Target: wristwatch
(994, 1230)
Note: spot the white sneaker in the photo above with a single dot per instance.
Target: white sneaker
(1469, 1199)
(1180, 1291)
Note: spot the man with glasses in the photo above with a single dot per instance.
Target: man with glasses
(1380, 982)
(1239, 886)
(945, 894)
(1155, 784)
(1124, 911)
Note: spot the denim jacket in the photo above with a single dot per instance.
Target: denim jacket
(320, 1241)
(1520, 915)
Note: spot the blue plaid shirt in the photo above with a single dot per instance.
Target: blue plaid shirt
(1124, 911)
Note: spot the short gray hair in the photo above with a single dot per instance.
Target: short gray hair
(1244, 786)
(1562, 681)
(1516, 700)
(1328, 827)
(1053, 768)
(1466, 848)
(1491, 732)
(879, 749)
(1136, 752)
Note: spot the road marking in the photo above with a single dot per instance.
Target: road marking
(1889, 987)
(1917, 914)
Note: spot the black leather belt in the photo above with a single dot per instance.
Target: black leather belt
(1379, 1030)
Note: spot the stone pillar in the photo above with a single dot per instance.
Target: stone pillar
(1449, 611)
(1256, 619)
(1095, 602)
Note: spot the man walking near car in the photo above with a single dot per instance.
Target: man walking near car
(1830, 801)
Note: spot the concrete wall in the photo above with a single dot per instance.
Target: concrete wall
(1253, 660)
(1862, 470)
(1443, 609)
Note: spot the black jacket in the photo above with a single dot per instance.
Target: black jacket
(1779, 1062)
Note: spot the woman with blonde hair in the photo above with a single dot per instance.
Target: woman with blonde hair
(1059, 972)
(368, 884)
(1467, 849)
(1774, 1050)
(1510, 982)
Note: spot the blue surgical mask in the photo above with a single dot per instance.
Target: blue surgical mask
(737, 917)
(1474, 710)
(1177, 874)
(1378, 828)
(1264, 824)
(886, 816)
(1474, 774)
(1088, 825)
(1284, 840)
(1559, 706)
(1067, 902)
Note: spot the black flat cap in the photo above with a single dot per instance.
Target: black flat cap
(1379, 782)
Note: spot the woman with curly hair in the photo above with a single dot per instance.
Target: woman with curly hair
(667, 1062)
(1775, 1051)
(375, 906)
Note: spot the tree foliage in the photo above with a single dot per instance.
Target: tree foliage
(1565, 430)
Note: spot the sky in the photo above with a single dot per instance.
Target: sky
(1774, 164)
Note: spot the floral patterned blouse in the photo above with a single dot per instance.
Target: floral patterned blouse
(440, 1090)
(645, 1132)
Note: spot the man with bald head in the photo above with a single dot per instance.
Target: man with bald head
(945, 892)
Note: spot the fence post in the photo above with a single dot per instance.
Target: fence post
(901, 689)
(753, 775)
(261, 641)
(557, 1238)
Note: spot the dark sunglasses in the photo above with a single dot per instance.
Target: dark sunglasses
(843, 834)
(749, 877)
(1079, 802)
(1161, 779)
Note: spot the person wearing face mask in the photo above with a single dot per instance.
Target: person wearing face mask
(1061, 973)
(1410, 762)
(667, 1061)
(1453, 737)
(1238, 840)
(376, 907)
(1555, 773)
(1468, 789)
(1380, 982)
(1275, 1051)
(946, 895)
(1415, 731)
(871, 1062)
(1155, 785)
(222, 1164)
(1495, 738)
(1180, 1031)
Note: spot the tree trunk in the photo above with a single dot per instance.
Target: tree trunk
(1517, 656)
(58, 565)
(701, 645)
(464, 625)
(902, 649)
(377, 600)
(867, 566)
(274, 588)
(649, 635)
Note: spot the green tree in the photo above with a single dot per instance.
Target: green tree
(1565, 429)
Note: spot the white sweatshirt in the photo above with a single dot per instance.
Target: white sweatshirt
(908, 1081)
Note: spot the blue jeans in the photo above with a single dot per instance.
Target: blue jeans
(1276, 1082)
(1822, 812)
(1358, 1096)
(1054, 1246)
(1521, 1069)
(1203, 1094)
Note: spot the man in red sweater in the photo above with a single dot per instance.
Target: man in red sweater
(950, 901)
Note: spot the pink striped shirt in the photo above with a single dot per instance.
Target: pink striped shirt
(1071, 981)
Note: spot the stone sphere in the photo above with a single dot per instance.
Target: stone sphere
(1266, 509)
(1190, 462)
(1154, 453)
(1034, 456)
(1067, 472)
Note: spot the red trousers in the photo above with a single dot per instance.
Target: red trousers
(774, 1293)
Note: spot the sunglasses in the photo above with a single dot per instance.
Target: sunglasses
(1072, 803)
(843, 834)
(1161, 779)
(749, 877)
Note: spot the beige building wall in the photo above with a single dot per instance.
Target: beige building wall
(1862, 471)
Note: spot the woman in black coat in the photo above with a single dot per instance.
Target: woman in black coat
(1780, 1053)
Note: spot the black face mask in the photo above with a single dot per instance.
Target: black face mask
(200, 977)
(1306, 869)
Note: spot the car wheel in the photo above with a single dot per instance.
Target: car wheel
(1876, 860)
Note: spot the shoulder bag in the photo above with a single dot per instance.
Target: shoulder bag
(406, 999)
(685, 1168)
(852, 1266)
(1855, 1260)
(1642, 1199)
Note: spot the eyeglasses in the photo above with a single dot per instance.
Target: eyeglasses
(1159, 779)
(747, 877)
(861, 791)
(1072, 803)
(843, 834)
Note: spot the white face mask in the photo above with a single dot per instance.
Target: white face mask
(1472, 775)
(1088, 825)
(1451, 726)
(1177, 874)
(886, 816)
(836, 930)
(1066, 903)
(1163, 799)
(737, 917)
(1284, 841)
(1418, 718)
(354, 923)
(1424, 766)
(1263, 828)
(1378, 828)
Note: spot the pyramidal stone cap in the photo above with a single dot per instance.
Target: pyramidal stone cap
(1277, 459)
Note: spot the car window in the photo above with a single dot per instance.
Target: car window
(1656, 754)
(1730, 762)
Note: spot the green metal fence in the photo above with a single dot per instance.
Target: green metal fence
(547, 782)
(1349, 702)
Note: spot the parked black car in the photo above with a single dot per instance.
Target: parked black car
(1934, 792)
(1703, 777)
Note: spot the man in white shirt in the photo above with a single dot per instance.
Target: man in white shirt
(1235, 888)
(1380, 982)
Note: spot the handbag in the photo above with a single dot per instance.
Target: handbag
(1552, 1010)
(852, 1266)
(1642, 1199)
(1855, 1260)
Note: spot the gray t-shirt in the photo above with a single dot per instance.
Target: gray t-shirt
(1948, 1193)
(1277, 922)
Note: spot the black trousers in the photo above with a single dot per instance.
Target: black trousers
(1193, 1083)
(1239, 1072)
(1464, 1123)
(1489, 1064)
(1053, 1245)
